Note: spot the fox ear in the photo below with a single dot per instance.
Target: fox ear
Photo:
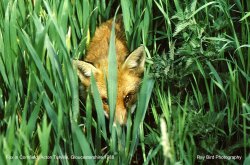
(84, 70)
(136, 60)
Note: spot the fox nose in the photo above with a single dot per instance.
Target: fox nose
(121, 116)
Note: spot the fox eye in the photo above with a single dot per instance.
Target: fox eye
(127, 98)
(105, 101)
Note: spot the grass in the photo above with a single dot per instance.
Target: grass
(194, 99)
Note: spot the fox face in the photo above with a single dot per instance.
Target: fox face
(130, 68)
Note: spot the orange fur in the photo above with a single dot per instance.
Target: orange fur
(130, 68)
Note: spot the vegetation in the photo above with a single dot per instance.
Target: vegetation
(193, 102)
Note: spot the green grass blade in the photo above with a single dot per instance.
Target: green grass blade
(143, 101)
(98, 106)
(112, 76)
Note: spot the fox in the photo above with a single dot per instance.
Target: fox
(130, 68)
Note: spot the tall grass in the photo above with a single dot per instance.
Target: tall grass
(194, 98)
(208, 78)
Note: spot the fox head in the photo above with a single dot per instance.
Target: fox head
(129, 72)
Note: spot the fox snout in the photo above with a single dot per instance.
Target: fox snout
(121, 116)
